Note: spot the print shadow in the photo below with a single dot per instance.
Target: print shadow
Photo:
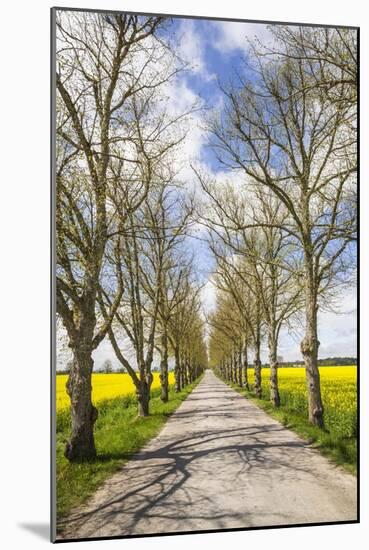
(42, 530)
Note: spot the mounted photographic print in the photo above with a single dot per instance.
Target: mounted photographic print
(204, 207)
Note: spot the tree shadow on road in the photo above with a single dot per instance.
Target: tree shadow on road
(154, 476)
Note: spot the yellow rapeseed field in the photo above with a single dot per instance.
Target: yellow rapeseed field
(339, 393)
(104, 387)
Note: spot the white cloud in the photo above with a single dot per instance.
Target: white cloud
(338, 330)
(233, 36)
(337, 333)
(181, 99)
(192, 48)
(208, 294)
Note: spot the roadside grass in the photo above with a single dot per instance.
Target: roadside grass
(119, 433)
(341, 449)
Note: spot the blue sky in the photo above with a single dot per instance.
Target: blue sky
(213, 50)
(216, 50)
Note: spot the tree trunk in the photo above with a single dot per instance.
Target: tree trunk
(193, 371)
(309, 350)
(143, 390)
(81, 445)
(257, 362)
(143, 398)
(245, 365)
(257, 370)
(274, 391)
(164, 367)
(235, 363)
(177, 369)
(185, 370)
(240, 381)
(181, 370)
(181, 375)
(234, 368)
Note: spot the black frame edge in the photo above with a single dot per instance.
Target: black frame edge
(53, 280)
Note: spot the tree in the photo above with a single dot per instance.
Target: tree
(137, 315)
(286, 135)
(169, 218)
(236, 277)
(145, 265)
(257, 254)
(107, 366)
(195, 350)
(174, 292)
(181, 328)
(330, 57)
(226, 326)
(103, 62)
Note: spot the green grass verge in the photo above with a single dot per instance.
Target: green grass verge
(119, 433)
(341, 450)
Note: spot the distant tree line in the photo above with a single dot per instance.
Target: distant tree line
(327, 362)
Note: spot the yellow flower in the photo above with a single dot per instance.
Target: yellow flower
(104, 387)
(339, 394)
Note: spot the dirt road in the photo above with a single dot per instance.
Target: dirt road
(220, 462)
